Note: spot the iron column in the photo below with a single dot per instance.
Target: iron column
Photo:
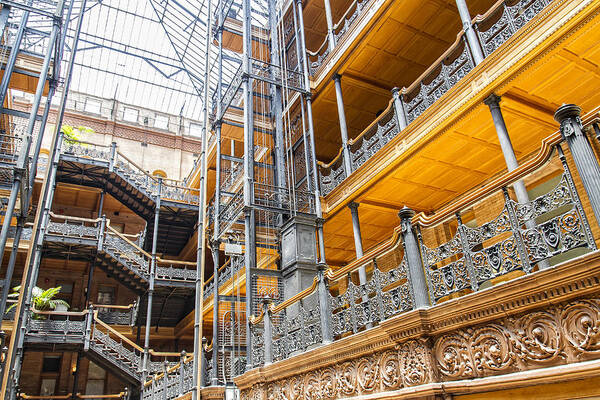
(568, 116)
(465, 17)
(337, 79)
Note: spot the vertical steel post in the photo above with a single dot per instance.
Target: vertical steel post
(324, 306)
(152, 274)
(311, 131)
(277, 101)
(399, 109)
(568, 116)
(472, 40)
(214, 379)
(337, 79)
(12, 58)
(268, 334)
(199, 363)
(249, 217)
(23, 158)
(362, 273)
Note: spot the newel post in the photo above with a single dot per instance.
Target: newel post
(571, 128)
(324, 306)
(412, 253)
(113, 156)
(268, 325)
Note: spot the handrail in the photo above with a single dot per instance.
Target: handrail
(343, 17)
(78, 219)
(220, 269)
(113, 230)
(143, 171)
(113, 331)
(316, 52)
(61, 313)
(114, 307)
(434, 65)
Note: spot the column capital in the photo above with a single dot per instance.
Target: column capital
(493, 100)
(396, 92)
(406, 213)
(336, 77)
(353, 206)
(568, 116)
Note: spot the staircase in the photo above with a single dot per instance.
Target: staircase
(119, 254)
(74, 331)
(99, 166)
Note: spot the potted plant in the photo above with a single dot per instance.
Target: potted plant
(42, 300)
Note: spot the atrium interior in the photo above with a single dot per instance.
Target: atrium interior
(299, 199)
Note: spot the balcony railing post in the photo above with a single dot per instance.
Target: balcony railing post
(416, 274)
(268, 333)
(101, 232)
(474, 45)
(399, 109)
(181, 373)
(165, 380)
(324, 306)
(113, 157)
(88, 328)
(568, 116)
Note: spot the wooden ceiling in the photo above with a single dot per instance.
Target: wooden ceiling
(397, 49)
(467, 153)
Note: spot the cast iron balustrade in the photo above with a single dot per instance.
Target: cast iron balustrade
(501, 239)
(494, 28)
(123, 249)
(502, 22)
(118, 315)
(232, 266)
(170, 190)
(124, 395)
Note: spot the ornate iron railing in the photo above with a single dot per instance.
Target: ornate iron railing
(118, 315)
(494, 28)
(171, 190)
(502, 22)
(502, 239)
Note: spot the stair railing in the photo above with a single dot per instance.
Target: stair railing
(118, 315)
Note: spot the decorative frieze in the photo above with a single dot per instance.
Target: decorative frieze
(564, 333)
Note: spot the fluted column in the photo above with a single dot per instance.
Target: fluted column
(568, 116)
(412, 253)
(337, 79)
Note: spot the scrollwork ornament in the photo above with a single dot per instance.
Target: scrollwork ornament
(311, 386)
(390, 371)
(581, 325)
(537, 337)
(347, 379)
(491, 349)
(414, 360)
(328, 383)
(367, 369)
(453, 356)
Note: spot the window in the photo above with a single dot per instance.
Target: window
(93, 106)
(195, 129)
(161, 122)
(130, 114)
(51, 364)
(106, 295)
(95, 379)
(66, 291)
